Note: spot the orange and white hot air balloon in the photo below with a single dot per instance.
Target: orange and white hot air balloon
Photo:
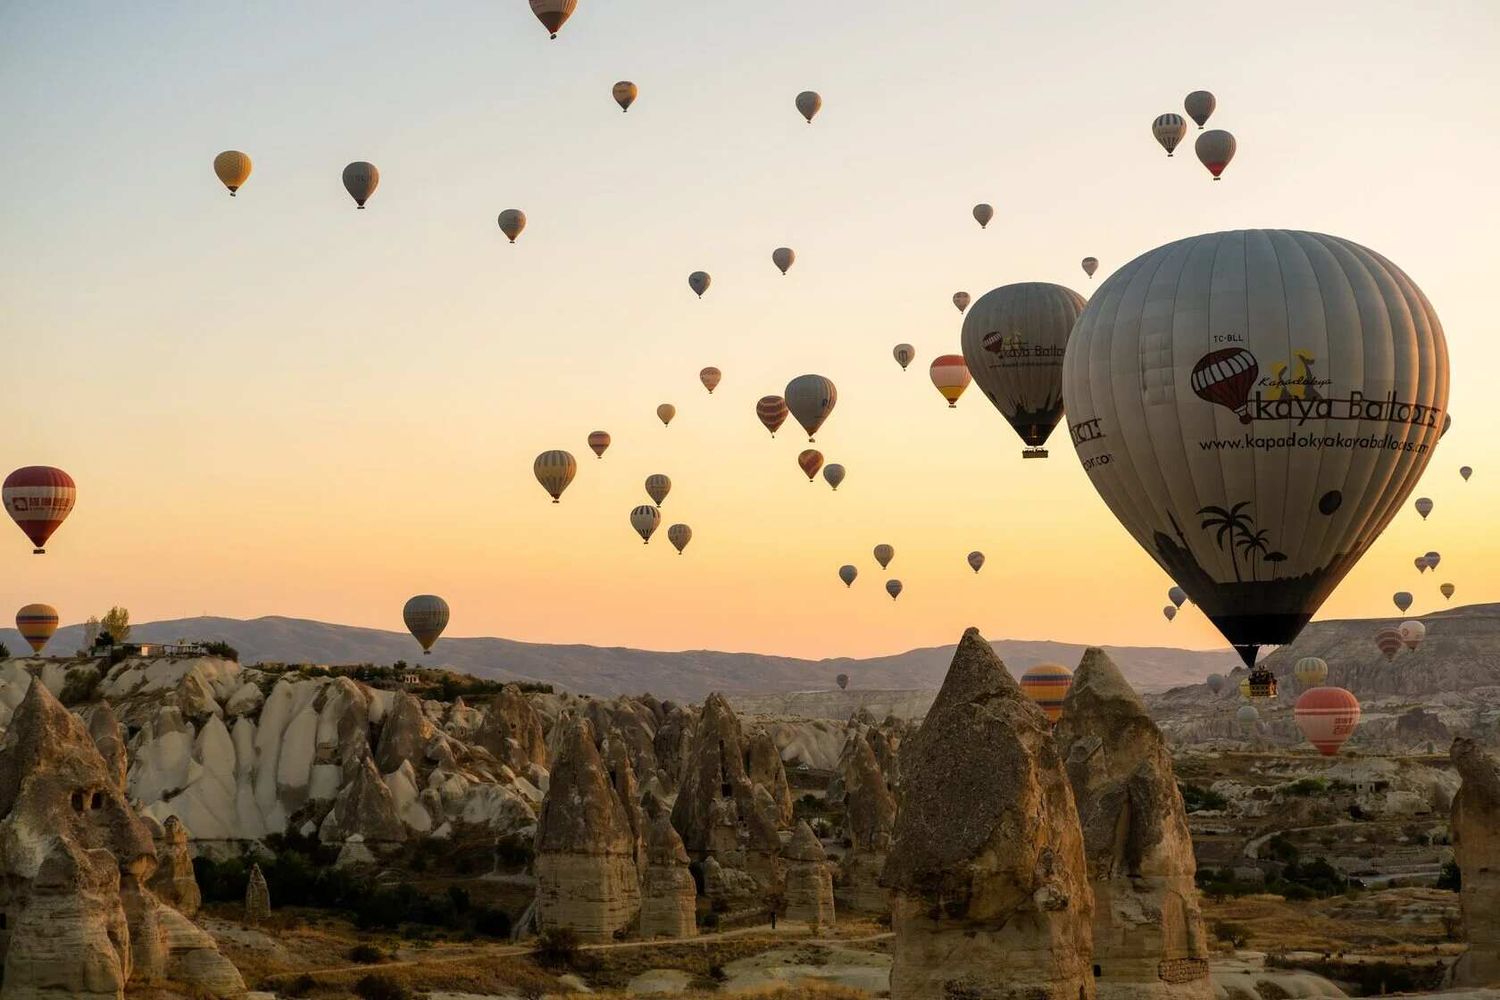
(710, 377)
(665, 412)
(39, 499)
(599, 442)
(555, 470)
(1047, 684)
(233, 169)
(553, 13)
(951, 376)
(36, 623)
(1388, 641)
(1327, 717)
(811, 460)
(772, 412)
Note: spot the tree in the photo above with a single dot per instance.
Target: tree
(843, 680)
(91, 632)
(116, 624)
(1231, 524)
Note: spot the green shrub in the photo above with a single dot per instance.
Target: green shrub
(222, 650)
(1196, 799)
(81, 686)
(1232, 934)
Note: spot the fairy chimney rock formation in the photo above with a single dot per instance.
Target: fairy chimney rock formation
(809, 884)
(174, 882)
(404, 735)
(257, 897)
(364, 808)
(991, 895)
(512, 731)
(669, 897)
(585, 863)
(1476, 848)
(869, 819)
(714, 776)
(763, 767)
(1149, 942)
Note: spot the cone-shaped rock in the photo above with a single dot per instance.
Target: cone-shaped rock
(512, 731)
(715, 772)
(809, 884)
(1476, 848)
(987, 864)
(869, 819)
(1149, 942)
(668, 895)
(364, 808)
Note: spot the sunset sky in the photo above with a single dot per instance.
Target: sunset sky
(275, 404)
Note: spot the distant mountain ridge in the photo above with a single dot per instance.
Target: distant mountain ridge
(687, 675)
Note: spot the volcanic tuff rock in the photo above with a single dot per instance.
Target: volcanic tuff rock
(512, 731)
(763, 767)
(365, 808)
(869, 808)
(809, 884)
(1476, 848)
(585, 863)
(668, 893)
(987, 863)
(174, 882)
(257, 897)
(715, 771)
(1149, 942)
(405, 735)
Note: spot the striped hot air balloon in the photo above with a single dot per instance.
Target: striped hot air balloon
(772, 412)
(1047, 684)
(893, 587)
(976, 560)
(645, 519)
(1311, 671)
(1412, 633)
(847, 573)
(36, 623)
(426, 616)
(951, 376)
(657, 487)
(884, 554)
(811, 460)
(599, 442)
(1388, 641)
(39, 499)
(1168, 129)
(811, 398)
(834, 475)
(710, 377)
(553, 13)
(233, 169)
(903, 353)
(1327, 717)
(679, 535)
(555, 470)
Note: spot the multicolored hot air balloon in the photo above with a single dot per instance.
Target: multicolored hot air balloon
(39, 499)
(950, 376)
(1216, 683)
(555, 470)
(983, 214)
(1090, 265)
(811, 460)
(679, 535)
(553, 13)
(847, 573)
(1014, 339)
(1311, 671)
(772, 411)
(599, 442)
(1388, 641)
(893, 587)
(37, 623)
(961, 301)
(1401, 599)
(809, 103)
(1199, 105)
(1169, 611)
(1168, 129)
(1327, 717)
(811, 398)
(512, 223)
(645, 519)
(903, 353)
(834, 475)
(976, 560)
(710, 377)
(1447, 591)
(665, 412)
(625, 94)
(884, 554)
(1215, 148)
(360, 180)
(1465, 471)
(657, 488)
(1247, 716)
(1161, 377)
(1424, 506)
(1177, 596)
(426, 616)
(1047, 684)
(1412, 633)
(783, 258)
(699, 281)
(233, 169)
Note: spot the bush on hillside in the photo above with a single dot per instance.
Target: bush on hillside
(1196, 799)
(380, 987)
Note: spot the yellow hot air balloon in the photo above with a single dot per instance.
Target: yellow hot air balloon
(625, 94)
(1311, 671)
(233, 169)
(783, 258)
(426, 617)
(36, 623)
(665, 412)
(951, 376)
(555, 470)
(809, 102)
(1245, 688)
(553, 13)
(512, 222)
(710, 377)
(1047, 684)
(360, 180)
(679, 535)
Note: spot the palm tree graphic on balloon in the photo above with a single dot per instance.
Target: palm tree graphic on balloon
(1237, 534)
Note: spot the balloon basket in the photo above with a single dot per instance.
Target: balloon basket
(1034, 453)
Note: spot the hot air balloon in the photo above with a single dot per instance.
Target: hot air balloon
(1177, 596)
(1168, 129)
(1199, 105)
(772, 412)
(893, 587)
(1169, 612)
(699, 281)
(1247, 716)
(1090, 265)
(553, 13)
(783, 258)
(36, 623)
(360, 180)
(644, 519)
(426, 616)
(1466, 472)
(233, 169)
(811, 460)
(1388, 641)
(983, 214)
(843, 681)
(903, 353)
(710, 377)
(679, 535)
(884, 554)
(1244, 687)
(1412, 633)
(1424, 506)
(976, 560)
(847, 573)
(951, 376)
(555, 470)
(512, 222)
(1216, 683)
(1432, 559)
(625, 94)
(657, 488)
(961, 301)
(1311, 671)
(834, 474)
(1257, 536)
(1447, 424)
(1401, 599)
(811, 398)
(1447, 591)
(809, 102)
(1327, 717)
(599, 442)
(665, 412)
(39, 499)
(1047, 684)
(1421, 563)
(1215, 148)
(1013, 340)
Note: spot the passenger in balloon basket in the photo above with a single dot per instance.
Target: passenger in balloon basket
(1262, 683)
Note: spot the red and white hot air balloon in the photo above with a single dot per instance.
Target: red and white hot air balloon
(950, 376)
(1388, 641)
(1327, 717)
(39, 499)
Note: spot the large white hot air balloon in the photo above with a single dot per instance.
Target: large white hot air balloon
(1412, 633)
(1013, 340)
(1255, 407)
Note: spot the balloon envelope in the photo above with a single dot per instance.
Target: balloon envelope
(625, 94)
(512, 222)
(893, 587)
(809, 103)
(783, 258)
(983, 214)
(1199, 105)
(834, 474)
(950, 376)
(1432, 559)
(1424, 506)
(233, 169)
(39, 499)
(811, 460)
(699, 281)
(884, 554)
(1090, 265)
(657, 488)
(1466, 472)
(665, 412)
(1247, 716)
(553, 13)
(1401, 599)
(426, 616)
(847, 573)
(644, 519)
(1412, 633)
(1215, 148)
(1311, 671)
(599, 442)
(976, 560)
(772, 411)
(961, 300)
(1160, 408)
(710, 377)
(1447, 590)
(1327, 717)
(1168, 129)
(1388, 641)
(555, 470)
(1216, 683)
(811, 398)
(903, 353)
(36, 623)
(1177, 596)
(679, 535)
(360, 180)
(1169, 612)
(1047, 684)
